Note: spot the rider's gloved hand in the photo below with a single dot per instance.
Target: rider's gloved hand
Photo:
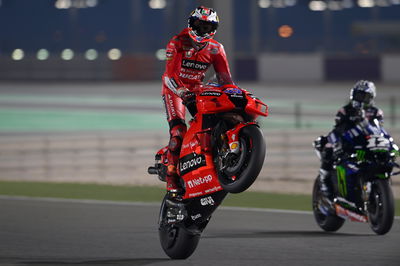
(337, 151)
(181, 91)
(357, 115)
(186, 95)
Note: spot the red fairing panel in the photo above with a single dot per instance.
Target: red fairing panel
(196, 166)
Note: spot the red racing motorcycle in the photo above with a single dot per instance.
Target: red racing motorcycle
(222, 152)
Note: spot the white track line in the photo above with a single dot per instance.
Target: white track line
(130, 203)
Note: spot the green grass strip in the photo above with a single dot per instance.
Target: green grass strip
(150, 194)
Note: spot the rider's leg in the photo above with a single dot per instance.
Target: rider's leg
(175, 111)
(177, 133)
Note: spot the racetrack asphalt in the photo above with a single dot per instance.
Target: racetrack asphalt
(76, 232)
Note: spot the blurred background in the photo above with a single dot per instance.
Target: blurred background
(80, 80)
(266, 40)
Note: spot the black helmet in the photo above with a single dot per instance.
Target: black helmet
(362, 93)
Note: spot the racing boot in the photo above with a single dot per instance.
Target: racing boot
(325, 184)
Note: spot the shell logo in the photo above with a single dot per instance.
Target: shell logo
(234, 145)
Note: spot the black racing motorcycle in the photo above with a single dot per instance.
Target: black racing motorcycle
(361, 181)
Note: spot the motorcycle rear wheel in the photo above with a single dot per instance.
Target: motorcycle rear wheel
(381, 207)
(249, 163)
(175, 240)
(329, 223)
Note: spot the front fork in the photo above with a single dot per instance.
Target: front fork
(366, 191)
(233, 136)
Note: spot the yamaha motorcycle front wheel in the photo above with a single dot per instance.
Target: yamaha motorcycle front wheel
(176, 241)
(237, 172)
(325, 218)
(381, 206)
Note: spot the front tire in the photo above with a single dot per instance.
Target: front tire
(381, 207)
(176, 241)
(327, 222)
(240, 176)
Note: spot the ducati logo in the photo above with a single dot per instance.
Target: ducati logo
(189, 53)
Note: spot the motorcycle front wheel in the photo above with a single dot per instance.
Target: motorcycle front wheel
(242, 171)
(327, 222)
(381, 207)
(175, 240)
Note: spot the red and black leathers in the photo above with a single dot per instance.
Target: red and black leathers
(186, 65)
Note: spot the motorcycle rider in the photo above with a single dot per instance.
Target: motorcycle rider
(188, 56)
(361, 106)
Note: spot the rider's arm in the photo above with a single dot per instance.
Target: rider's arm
(220, 64)
(340, 121)
(379, 116)
(173, 60)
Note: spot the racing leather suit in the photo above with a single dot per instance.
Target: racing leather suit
(186, 66)
(346, 118)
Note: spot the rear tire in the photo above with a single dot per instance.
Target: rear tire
(250, 162)
(330, 222)
(176, 241)
(381, 207)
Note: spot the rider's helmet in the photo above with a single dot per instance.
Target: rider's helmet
(202, 24)
(362, 94)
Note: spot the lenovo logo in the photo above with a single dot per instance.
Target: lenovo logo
(194, 64)
(191, 162)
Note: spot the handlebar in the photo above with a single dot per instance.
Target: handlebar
(152, 170)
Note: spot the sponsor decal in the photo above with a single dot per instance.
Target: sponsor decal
(195, 194)
(207, 201)
(342, 184)
(194, 143)
(169, 54)
(194, 217)
(191, 162)
(200, 180)
(234, 146)
(190, 144)
(211, 93)
(235, 96)
(185, 146)
(189, 71)
(171, 105)
(213, 189)
(342, 212)
(189, 76)
(194, 64)
(233, 91)
(188, 54)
